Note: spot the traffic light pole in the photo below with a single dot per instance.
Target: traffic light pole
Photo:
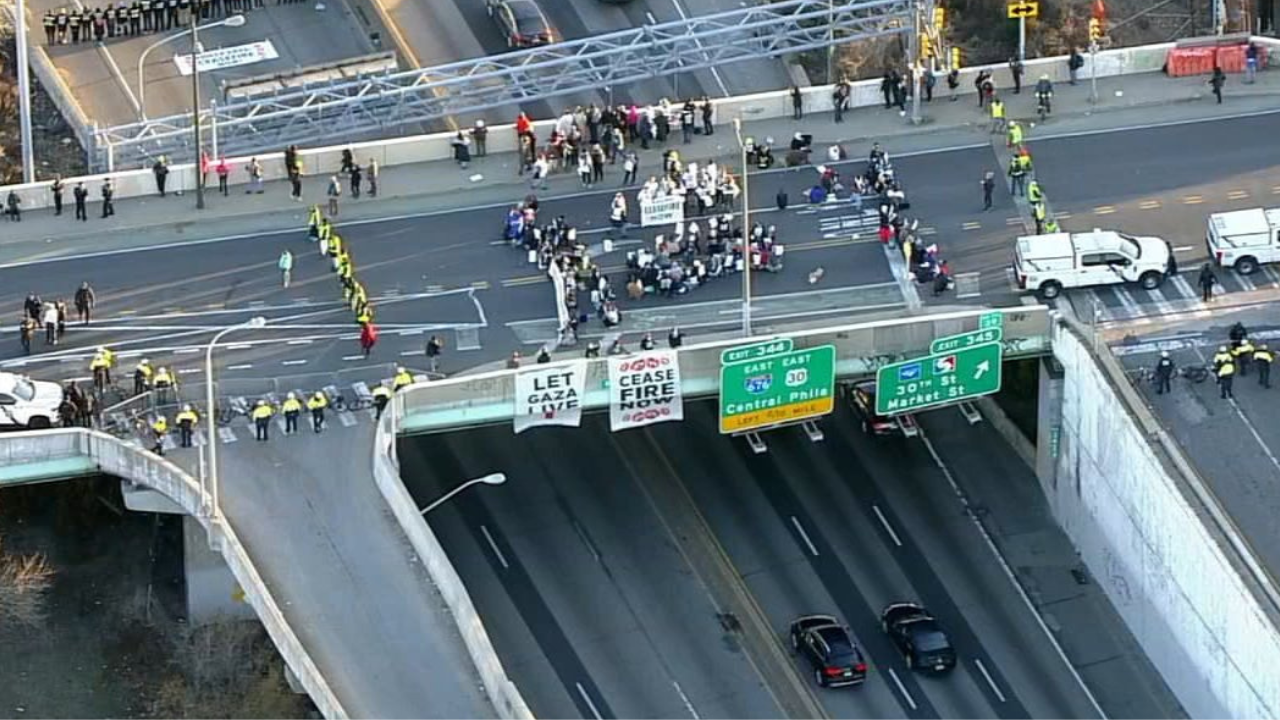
(1093, 72)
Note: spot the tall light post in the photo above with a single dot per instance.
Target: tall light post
(746, 232)
(233, 21)
(212, 440)
(491, 479)
(24, 95)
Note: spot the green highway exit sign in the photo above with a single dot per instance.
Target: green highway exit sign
(966, 340)
(939, 379)
(756, 350)
(777, 388)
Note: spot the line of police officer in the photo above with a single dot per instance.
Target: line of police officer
(73, 25)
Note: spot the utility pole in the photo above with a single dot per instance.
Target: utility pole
(831, 42)
(195, 105)
(24, 95)
(1022, 39)
(1093, 71)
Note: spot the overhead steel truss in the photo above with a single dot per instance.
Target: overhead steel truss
(378, 103)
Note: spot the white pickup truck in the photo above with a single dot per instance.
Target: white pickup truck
(27, 403)
(1244, 239)
(1050, 263)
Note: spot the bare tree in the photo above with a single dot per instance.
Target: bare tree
(24, 581)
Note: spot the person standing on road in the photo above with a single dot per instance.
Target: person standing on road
(261, 416)
(381, 396)
(1074, 63)
(186, 420)
(13, 206)
(1216, 82)
(1263, 358)
(26, 330)
(1164, 373)
(334, 192)
(142, 376)
(797, 103)
(355, 182)
(49, 316)
(85, 300)
(402, 379)
(1250, 63)
(286, 267)
(1206, 281)
(254, 168)
(224, 171)
(81, 196)
(163, 382)
(108, 193)
(316, 405)
(1015, 69)
(56, 189)
(1226, 376)
(372, 176)
(988, 189)
(435, 346)
(291, 408)
(161, 171)
(1017, 178)
(368, 337)
(159, 429)
(480, 136)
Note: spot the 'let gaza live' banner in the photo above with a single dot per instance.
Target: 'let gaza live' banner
(550, 395)
(644, 389)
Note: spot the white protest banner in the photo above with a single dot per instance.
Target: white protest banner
(644, 389)
(661, 210)
(228, 57)
(550, 395)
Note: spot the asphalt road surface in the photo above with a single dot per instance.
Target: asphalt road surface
(594, 608)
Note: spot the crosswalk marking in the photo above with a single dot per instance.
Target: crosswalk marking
(1157, 297)
(1273, 277)
(1128, 302)
(844, 225)
(346, 419)
(1246, 283)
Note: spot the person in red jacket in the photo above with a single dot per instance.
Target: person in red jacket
(524, 125)
(368, 337)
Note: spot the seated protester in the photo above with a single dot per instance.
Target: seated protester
(837, 153)
(816, 195)
(612, 315)
(764, 158)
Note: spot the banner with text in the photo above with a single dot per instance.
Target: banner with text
(550, 395)
(227, 57)
(661, 210)
(644, 390)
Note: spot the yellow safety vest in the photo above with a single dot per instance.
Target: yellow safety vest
(997, 110)
(146, 371)
(1034, 193)
(160, 426)
(99, 362)
(381, 392)
(317, 402)
(1263, 356)
(1227, 370)
(1244, 348)
(292, 406)
(261, 412)
(1221, 358)
(1038, 208)
(401, 380)
(187, 416)
(335, 246)
(163, 378)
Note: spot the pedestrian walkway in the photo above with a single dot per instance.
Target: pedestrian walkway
(435, 186)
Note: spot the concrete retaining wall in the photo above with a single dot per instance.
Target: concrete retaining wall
(128, 462)
(319, 162)
(502, 693)
(1156, 542)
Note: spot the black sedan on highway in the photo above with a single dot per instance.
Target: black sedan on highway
(919, 637)
(522, 22)
(826, 644)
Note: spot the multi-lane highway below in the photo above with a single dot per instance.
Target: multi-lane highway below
(594, 604)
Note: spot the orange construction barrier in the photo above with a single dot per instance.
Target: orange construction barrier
(1183, 62)
(1231, 59)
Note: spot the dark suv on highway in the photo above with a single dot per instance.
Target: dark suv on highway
(919, 637)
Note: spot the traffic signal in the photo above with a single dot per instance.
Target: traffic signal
(1095, 29)
(939, 18)
(926, 46)
(955, 58)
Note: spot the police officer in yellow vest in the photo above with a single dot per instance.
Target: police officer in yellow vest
(1263, 358)
(1039, 213)
(163, 383)
(1222, 356)
(313, 223)
(261, 416)
(326, 234)
(186, 420)
(1226, 375)
(381, 396)
(997, 115)
(291, 408)
(1034, 193)
(159, 428)
(142, 376)
(1015, 134)
(1243, 354)
(402, 379)
(335, 246)
(100, 367)
(316, 405)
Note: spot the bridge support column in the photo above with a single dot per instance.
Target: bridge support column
(212, 591)
(1049, 424)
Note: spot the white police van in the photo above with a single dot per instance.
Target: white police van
(1047, 264)
(28, 404)
(1244, 239)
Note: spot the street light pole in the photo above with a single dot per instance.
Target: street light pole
(24, 95)
(1093, 71)
(746, 232)
(233, 21)
(491, 479)
(195, 108)
(212, 441)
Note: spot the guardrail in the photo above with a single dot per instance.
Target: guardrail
(502, 693)
(143, 468)
(860, 350)
(321, 162)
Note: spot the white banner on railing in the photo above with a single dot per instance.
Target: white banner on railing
(550, 395)
(227, 57)
(664, 210)
(644, 390)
